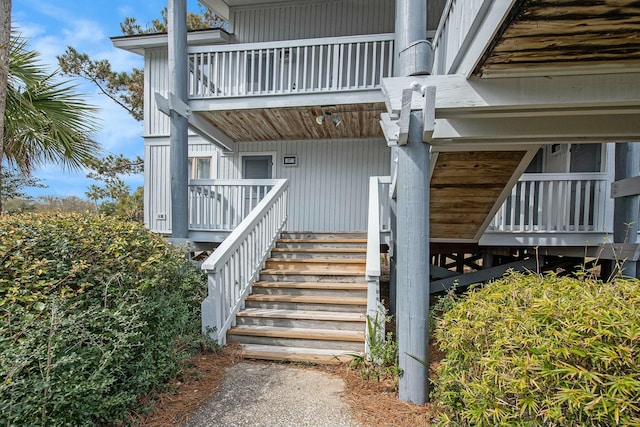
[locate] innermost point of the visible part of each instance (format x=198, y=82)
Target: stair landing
x=310, y=302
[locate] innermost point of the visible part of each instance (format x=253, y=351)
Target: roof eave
x=139, y=43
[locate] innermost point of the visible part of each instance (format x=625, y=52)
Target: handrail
x=290, y=66
x=291, y=43
x=372, y=269
x=235, y=265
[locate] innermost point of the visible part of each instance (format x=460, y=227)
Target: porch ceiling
x=299, y=123
x=559, y=35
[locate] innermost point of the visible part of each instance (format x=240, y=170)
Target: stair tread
x=299, y=333
x=297, y=354
x=336, y=272
x=302, y=314
x=346, y=286
x=317, y=260
x=321, y=250
x=318, y=299
x=322, y=240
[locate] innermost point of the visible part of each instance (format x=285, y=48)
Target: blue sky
x=51, y=26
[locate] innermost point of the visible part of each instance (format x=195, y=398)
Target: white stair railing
x=377, y=223
x=235, y=265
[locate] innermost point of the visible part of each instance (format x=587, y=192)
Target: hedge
x=542, y=351
x=94, y=312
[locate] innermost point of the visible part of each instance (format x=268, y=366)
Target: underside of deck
x=466, y=190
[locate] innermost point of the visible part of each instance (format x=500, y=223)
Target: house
x=301, y=121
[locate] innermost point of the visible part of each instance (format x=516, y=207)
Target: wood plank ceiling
x=299, y=123
x=559, y=33
x=464, y=188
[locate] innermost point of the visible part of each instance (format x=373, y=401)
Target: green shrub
x=94, y=313
x=533, y=351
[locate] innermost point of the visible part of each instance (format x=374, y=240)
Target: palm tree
x=45, y=120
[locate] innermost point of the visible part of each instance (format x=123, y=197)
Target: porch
x=322, y=88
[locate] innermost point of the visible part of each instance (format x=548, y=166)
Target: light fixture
x=328, y=113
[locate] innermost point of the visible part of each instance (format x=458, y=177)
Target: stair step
x=347, y=286
x=322, y=241
x=298, y=333
x=313, y=235
x=322, y=250
x=297, y=354
x=309, y=299
x=302, y=314
x=315, y=272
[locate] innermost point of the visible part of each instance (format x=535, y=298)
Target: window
x=201, y=167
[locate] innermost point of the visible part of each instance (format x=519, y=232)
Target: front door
x=255, y=167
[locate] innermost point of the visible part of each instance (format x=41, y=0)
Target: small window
x=200, y=168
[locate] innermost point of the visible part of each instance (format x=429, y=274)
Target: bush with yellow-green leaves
x=528, y=350
x=94, y=313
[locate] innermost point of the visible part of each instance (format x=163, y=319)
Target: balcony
x=353, y=63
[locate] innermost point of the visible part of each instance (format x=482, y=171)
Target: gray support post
x=413, y=263
x=393, y=229
x=626, y=209
x=179, y=150
x=412, y=219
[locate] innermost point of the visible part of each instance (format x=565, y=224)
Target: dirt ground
x=370, y=403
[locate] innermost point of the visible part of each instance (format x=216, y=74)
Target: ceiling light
x=320, y=120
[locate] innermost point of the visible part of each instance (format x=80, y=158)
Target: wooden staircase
x=310, y=302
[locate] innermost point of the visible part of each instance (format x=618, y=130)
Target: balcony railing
x=221, y=205
x=292, y=66
x=554, y=203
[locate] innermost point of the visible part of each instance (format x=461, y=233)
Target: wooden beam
x=625, y=187
x=405, y=112
x=540, y=129
x=480, y=276
x=429, y=113
x=195, y=122
x=441, y=272
x=523, y=96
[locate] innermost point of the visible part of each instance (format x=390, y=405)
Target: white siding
x=156, y=81
x=157, y=188
x=304, y=20
x=328, y=188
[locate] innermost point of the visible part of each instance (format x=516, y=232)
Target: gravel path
x=258, y=394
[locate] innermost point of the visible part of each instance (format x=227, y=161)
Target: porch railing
x=378, y=222
x=291, y=66
x=554, y=202
x=235, y=265
x=220, y=205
